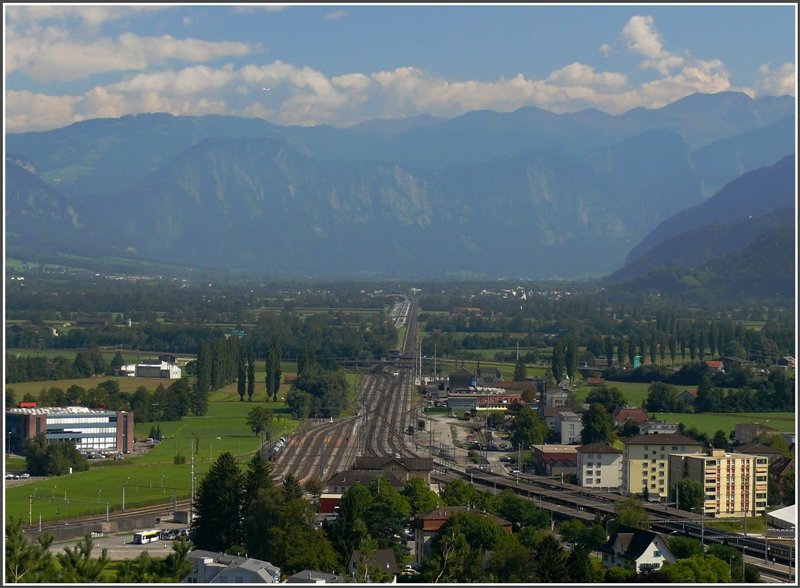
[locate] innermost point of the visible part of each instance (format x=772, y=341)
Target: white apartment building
x=599, y=466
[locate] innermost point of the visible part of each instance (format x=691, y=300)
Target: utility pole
x=191, y=498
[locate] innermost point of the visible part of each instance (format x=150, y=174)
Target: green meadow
x=711, y=422
x=155, y=477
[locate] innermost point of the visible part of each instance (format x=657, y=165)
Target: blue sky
x=342, y=64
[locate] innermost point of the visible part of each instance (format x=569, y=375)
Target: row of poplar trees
x=224, y=361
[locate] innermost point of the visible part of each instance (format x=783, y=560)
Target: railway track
x=154, y=509
x=384, y=402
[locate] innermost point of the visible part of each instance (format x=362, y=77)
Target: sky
x=341, y=64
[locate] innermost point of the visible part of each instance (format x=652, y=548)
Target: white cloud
x=780, y=82
x=28, y=111
x=91, y=16
x=641, y=37
x=306, y=96
x=578, y=74
x=336, y=15
x=56, y=57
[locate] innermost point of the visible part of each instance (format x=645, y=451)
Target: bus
x=146, y=536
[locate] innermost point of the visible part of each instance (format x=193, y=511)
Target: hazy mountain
x=35, y=211
x=762, y=272
x=260, y=204
x=526, y=193
x=752, y=195
x=737, y=245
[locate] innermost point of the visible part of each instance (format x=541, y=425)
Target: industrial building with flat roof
x=90, y=429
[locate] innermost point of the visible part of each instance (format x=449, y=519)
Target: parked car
x=24, y=476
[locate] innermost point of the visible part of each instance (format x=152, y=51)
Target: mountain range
x=738, y=243
x=522, y=194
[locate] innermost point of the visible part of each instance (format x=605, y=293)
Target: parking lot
x=121, y=545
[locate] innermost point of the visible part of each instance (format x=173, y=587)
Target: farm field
x=130, y=385
x=125, y=384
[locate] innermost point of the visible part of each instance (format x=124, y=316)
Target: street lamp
x=127, y=480
x=608, y=521
x=702, y=527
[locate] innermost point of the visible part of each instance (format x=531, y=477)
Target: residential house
x=554, y=398
x=315, y=577
x=782, y=467
x=551, y=414
x=622, y=414
x=787, y=362
x=569, y=426
x=688, y=396
x=382, y=564
x=735, y=483
x=715, y=365
x=646, y=460
x=636, y=550
x=427, y=524
x=731, y=361
x=211, y=567
x=599, y=466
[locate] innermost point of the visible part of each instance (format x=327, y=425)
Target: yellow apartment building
x=646, y=462
x=734, y=483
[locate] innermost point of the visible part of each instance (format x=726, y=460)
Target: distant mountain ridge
x=738, y=243
x=754, y=194
x=528, y=193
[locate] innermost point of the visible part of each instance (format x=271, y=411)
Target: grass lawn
x=711, y=422
x=154, y=476
x=633, y=392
